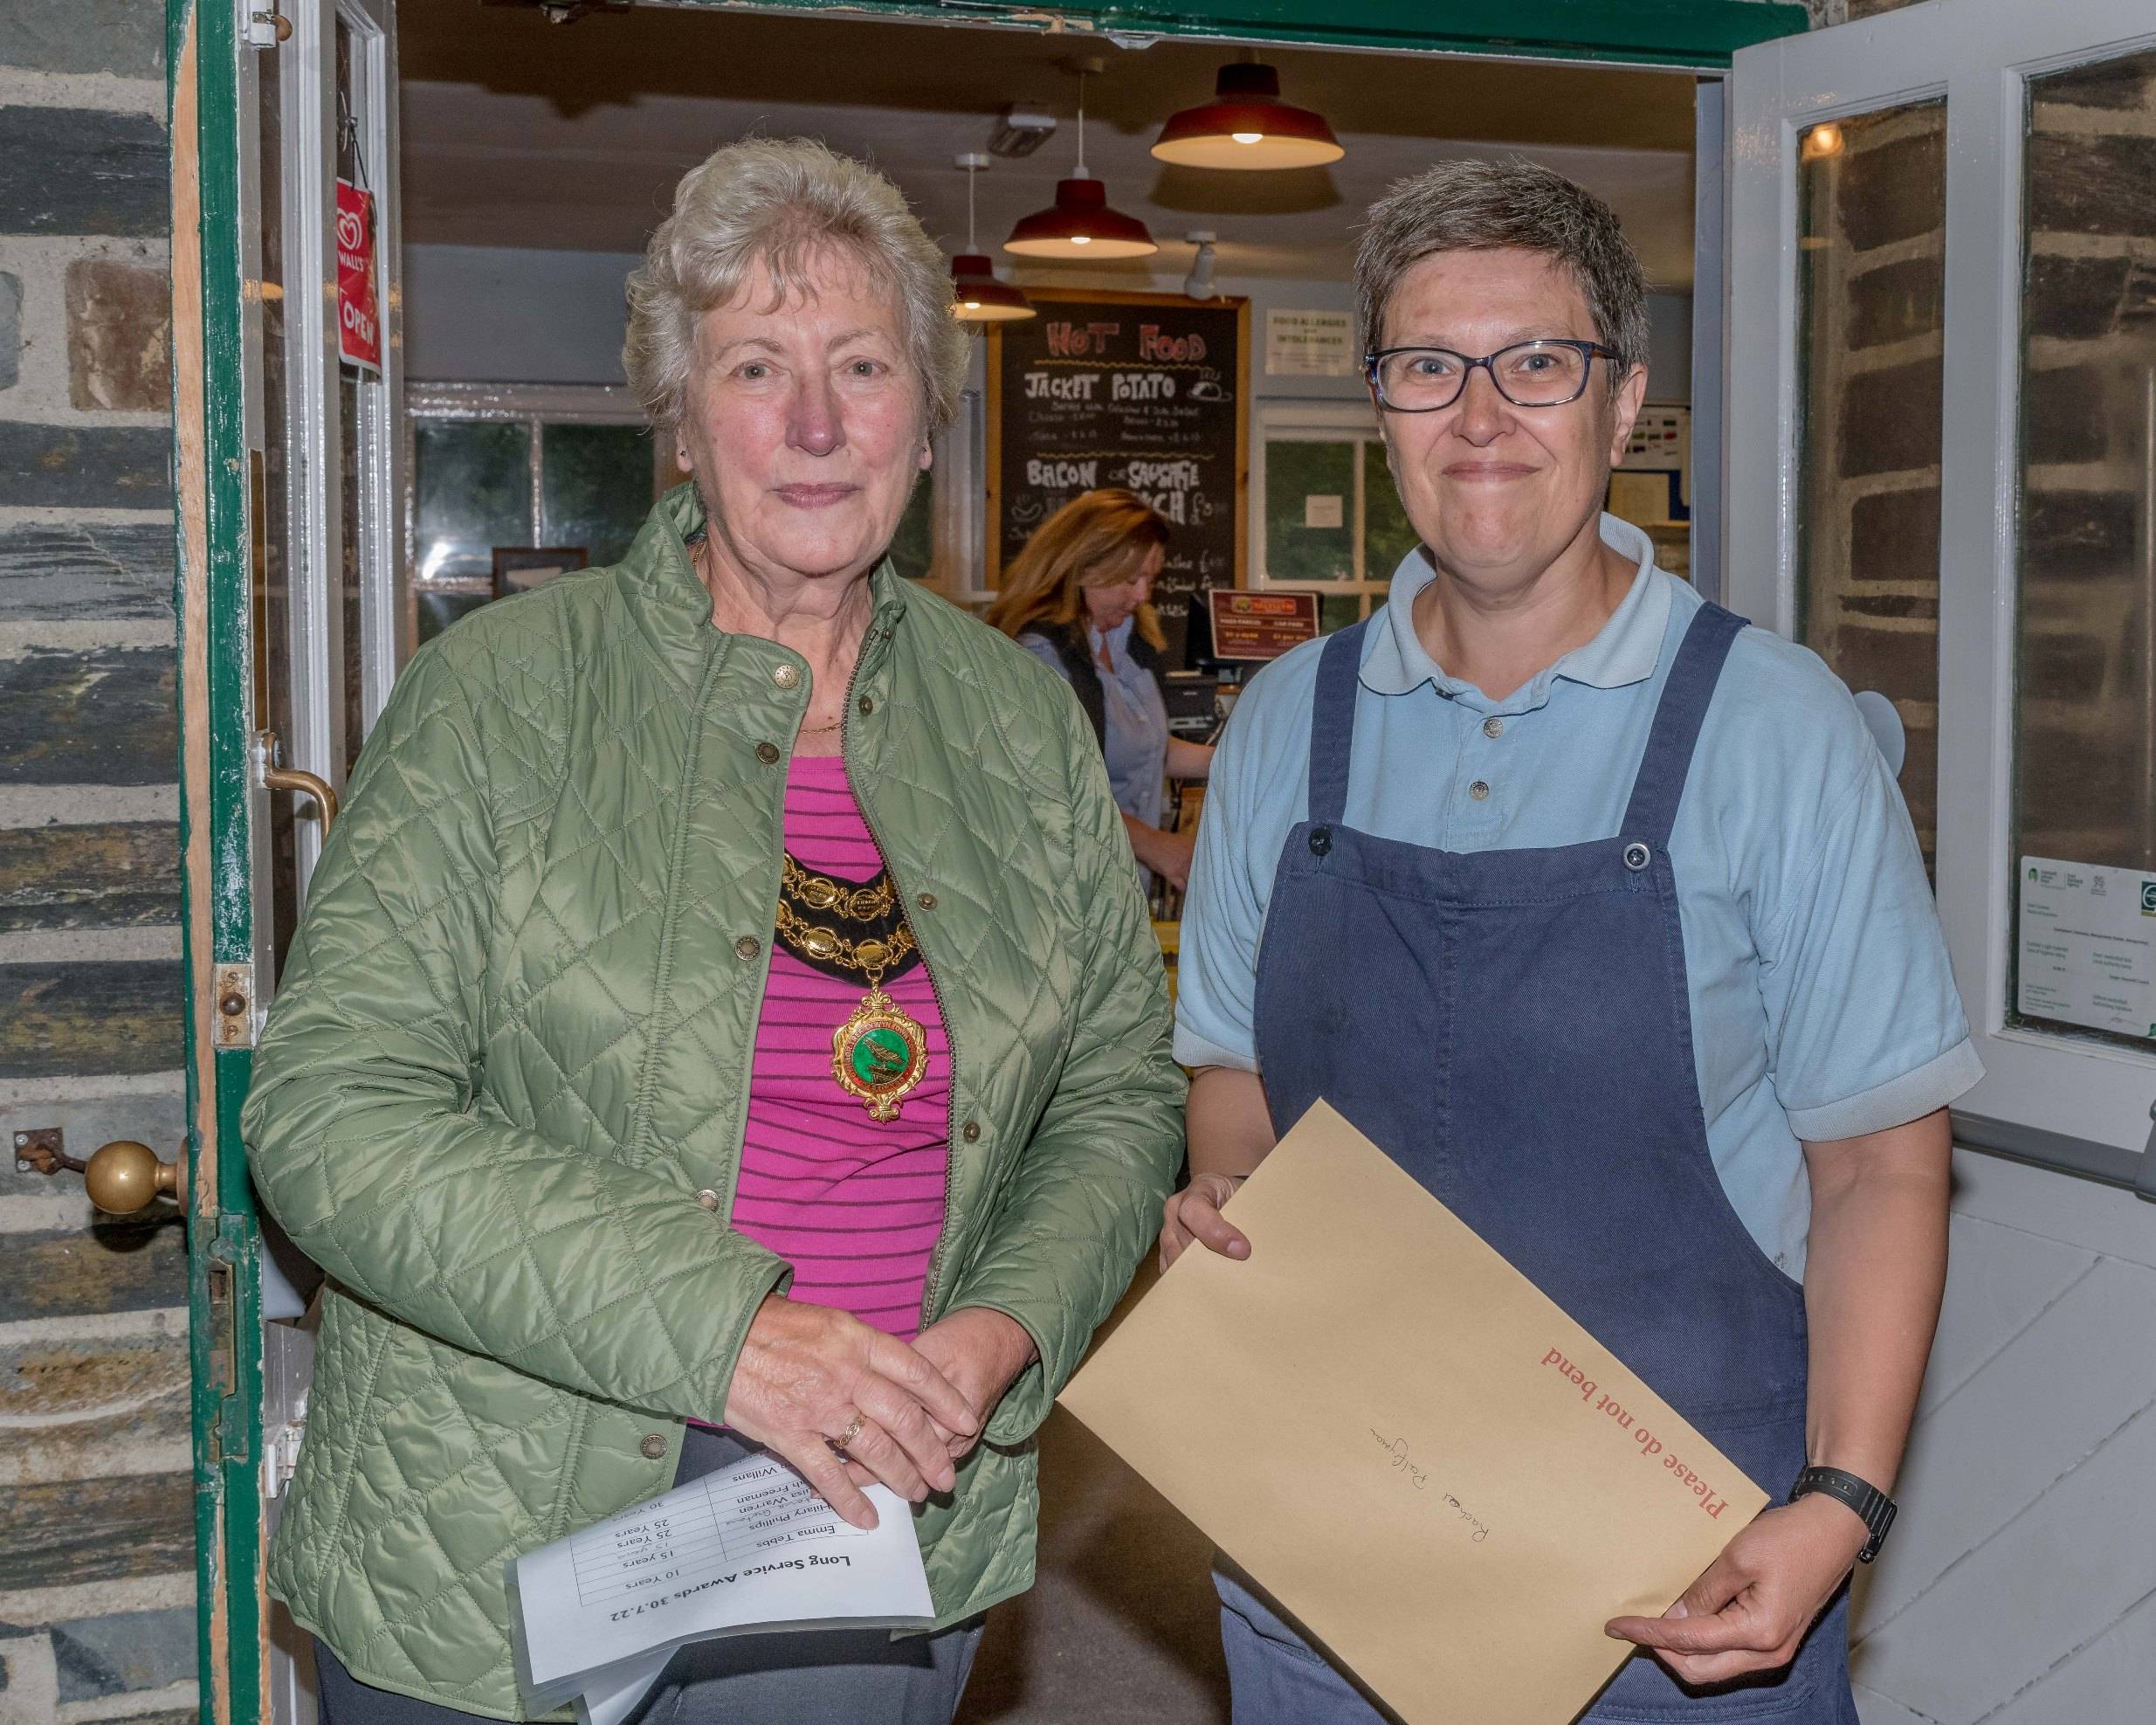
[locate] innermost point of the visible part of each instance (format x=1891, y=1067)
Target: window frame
x=2095, y=1096
x=1354, y=423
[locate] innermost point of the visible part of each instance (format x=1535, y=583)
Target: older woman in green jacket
x=725, y=1003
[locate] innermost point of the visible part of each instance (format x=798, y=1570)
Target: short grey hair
x=1476, y=205
x=781, y=202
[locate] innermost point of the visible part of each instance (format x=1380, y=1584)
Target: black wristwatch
x=1867, y=1501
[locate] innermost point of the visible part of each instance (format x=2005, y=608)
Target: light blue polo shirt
x=1822, y=1004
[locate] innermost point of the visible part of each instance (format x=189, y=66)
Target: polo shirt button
x=708, y=1199
x=653, y=1446
x=972, y=1133
x=1478, y=791
x=767, y=753
x=1494, y=727
x=785, y=676
x=747, y=947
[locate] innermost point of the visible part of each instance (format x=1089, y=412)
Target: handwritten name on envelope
x=1445, y=1479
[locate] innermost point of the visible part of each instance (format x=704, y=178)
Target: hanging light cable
x=1080, y=223
x=976, y=295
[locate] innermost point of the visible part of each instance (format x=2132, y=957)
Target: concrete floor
x=1121, y=1626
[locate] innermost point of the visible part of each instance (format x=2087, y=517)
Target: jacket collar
x=672, y=607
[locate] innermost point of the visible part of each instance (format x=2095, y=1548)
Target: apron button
x=1637, y=856
x=1320, y=840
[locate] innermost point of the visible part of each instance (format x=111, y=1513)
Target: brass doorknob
x=124, y=1177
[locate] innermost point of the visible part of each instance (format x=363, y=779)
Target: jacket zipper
x=950, y=1033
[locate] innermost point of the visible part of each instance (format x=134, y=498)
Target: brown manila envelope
x=1443, y=1477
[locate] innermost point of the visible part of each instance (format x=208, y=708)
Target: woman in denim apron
x=1598, y=911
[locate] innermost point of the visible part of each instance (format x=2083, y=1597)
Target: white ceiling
x=520, y=132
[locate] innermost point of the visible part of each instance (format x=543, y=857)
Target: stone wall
x=1871, y=270
x=2086, y=672
x=97, y=1618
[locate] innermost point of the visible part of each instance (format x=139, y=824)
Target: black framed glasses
x=1546, y=373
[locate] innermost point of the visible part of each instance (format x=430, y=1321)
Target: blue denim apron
x=1513, y=1029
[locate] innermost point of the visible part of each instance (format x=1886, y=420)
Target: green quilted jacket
x=512, y=1047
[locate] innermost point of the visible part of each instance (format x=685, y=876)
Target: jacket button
x=785, y=676
x=927, y=901
x=972, y=1133
x=708, y=1199
x=653, y=1446
x=867, y=706
x=747, y=947
x=1494, y=727
x=1479, y=790
x=767, y=753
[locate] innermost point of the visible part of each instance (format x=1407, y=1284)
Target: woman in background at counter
x=1077, y=598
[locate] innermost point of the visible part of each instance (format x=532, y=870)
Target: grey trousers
x=801, y=1677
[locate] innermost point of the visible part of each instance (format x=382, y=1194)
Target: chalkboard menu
x=1146, y=390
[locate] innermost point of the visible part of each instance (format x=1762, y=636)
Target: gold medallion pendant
x=879, y=1054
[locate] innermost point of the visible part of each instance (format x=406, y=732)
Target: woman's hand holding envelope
x=1749, y=1612
x=1193, y=1214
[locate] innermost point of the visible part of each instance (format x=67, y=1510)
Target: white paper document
x=2087, y=946
x=748, y=1549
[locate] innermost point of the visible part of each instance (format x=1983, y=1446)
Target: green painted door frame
x=215, y=540
x=1692, y=34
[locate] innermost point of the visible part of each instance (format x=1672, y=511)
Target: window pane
x=472, y=490
x=1386, y=538
x=436, y=608
x=1310, y=511
x=595, y=487
x=2084, y=816
x=1337, y=611
x=1872, y=201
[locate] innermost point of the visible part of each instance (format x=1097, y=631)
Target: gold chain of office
x=870, y=903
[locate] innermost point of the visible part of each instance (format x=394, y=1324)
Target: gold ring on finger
x=852, y=1431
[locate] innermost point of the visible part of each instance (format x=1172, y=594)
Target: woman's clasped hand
x=813, y=1382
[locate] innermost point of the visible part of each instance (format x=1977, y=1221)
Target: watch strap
x=1873, y=1505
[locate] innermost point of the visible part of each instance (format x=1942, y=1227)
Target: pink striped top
x=854, y=1204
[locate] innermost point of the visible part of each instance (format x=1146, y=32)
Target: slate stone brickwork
x=97, y=1597
x=2087, y=641
x=1873, y=266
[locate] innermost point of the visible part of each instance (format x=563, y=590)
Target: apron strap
x=1660, y=786
x=1332, y=723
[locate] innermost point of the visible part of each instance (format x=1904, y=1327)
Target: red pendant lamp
x=1080, y=225
x=976, y=295
x=1247, y=126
